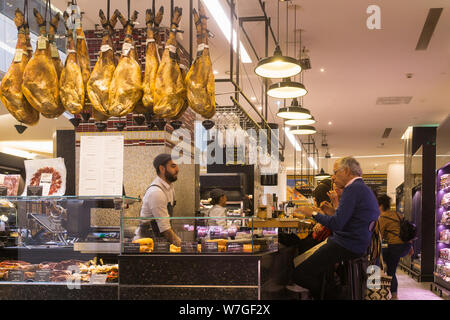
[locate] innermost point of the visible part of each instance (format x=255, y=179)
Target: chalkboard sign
x=131, y=247
x=42, y=276
x=210, y=247
x=3, y=191
x=161, y=246
x=16, y=275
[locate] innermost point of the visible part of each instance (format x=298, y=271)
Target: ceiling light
x=253, y=98
x=224, y=24
x=322, y=175
x=300, y=122
x=294, y=112
x=216, y=72
x=322, y=70
x=330, y=123
x=278, y=66
x=302, y=130
x=287, y=89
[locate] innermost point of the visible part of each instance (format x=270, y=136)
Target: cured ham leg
x=83, y=54
x=11, y=86
x=71, y=86
x=200, y=78
x=170, y=89
x=40, y=80
x=100, y=80
x=126, y=85
x=151, y=58
x=53, y=49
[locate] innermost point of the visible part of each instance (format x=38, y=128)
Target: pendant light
x=302, y=130
x=294, y=111
x=322, y=175
x=278, y=66
x=288, y=89
x=300, y=122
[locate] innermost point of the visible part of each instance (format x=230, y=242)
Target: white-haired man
x=358, y=208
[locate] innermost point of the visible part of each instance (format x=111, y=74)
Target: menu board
x=101, y=166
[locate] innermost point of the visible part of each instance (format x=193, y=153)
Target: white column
x=395, y=177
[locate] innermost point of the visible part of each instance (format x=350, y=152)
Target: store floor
x=410, y=289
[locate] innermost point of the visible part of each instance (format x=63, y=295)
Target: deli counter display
x=198, y=235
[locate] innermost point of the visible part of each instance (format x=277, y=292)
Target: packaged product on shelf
x=445, y=202
x=445, y=181
x=11, y=182
x=445, y=218
x=444, y=254
x=445, y=235
x=48, y=173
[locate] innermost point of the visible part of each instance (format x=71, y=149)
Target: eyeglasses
x=336, y=171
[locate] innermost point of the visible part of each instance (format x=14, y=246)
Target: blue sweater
x=358, y=207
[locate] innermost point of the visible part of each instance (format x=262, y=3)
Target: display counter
x=219, y=257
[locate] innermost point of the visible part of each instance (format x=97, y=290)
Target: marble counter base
x=38, y=291
x=187, y=293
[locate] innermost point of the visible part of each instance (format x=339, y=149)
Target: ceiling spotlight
x=287, y=89
x=294, y=112
x=216, y=72
x=300, y=122
x=330, y=123
x=302, y=130
x=278, y=66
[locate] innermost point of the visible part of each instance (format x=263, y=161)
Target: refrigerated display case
x=442, y=259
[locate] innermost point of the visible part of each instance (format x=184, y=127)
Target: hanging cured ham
x=11, y=86
x=100, y=80
x=71, y=86
x=82, y=53
x=151, y=58
x=200, y=78
x=126, y=86
x=40, y=80
x=170, y=89
x=53, y=49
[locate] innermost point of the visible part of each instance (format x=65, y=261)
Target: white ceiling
x=360, y=66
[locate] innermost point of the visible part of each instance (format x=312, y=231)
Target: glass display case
x=199, y=235
x=54, y=239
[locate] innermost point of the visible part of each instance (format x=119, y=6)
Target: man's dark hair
x=384, y=201
x=161, y=160
x=320, y=192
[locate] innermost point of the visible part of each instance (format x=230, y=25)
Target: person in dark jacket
x=357, y=211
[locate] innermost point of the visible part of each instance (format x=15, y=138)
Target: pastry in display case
x=198, y=235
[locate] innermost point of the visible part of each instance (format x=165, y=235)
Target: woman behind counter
x=219, y=202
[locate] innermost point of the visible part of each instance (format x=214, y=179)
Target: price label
x=16, y=275
x=210, y=247
x=162, y=246
x=46, y=182
x=235, y=247
x=42, y=43
x=18, y=55
x=105, y=48
x=42, y=276
x=126, y=48
x=54, y=51
x=34, y=191
x=189, y=247
x=98, y=278
x=131, y=247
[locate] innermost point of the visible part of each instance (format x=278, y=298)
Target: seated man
x=351, y=237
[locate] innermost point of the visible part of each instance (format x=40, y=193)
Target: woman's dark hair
x=215, y=195
x=320, y=192
x=384, y=201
